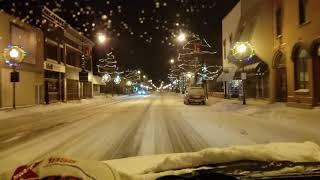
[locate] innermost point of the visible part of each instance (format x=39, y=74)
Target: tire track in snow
x=130, y=143
x=176, y=134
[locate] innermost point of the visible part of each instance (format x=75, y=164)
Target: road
x=145, y=125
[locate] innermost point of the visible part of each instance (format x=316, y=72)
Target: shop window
x=301, y=70
x=51, y=51
x=279, y=21
x=303, y=12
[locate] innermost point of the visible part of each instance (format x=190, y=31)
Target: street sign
x=243, y=76
x=83, y=76
x=14, y=76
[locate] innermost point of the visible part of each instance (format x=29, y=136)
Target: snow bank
x=149, y=167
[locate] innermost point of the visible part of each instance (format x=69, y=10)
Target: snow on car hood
x=149, y=167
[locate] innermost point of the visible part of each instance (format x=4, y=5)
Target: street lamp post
x=14, y=55
x=243, y=51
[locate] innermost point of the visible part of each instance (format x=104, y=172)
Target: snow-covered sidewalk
x=42, y=108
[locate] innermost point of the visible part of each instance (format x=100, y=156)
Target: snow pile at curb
x=295, y=152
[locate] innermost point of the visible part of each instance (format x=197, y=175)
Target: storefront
x=53, y=81
x=256, y=79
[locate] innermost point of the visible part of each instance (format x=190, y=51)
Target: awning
x=258, y=67
x=226, y=76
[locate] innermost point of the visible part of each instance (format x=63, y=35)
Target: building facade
x=249, y=21
x=296, y=50
x=78, y=48
x=29, y=89
x=56, y=53
x=67, y=53
x=285, y=36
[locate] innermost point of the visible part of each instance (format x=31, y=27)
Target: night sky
x=141, y=31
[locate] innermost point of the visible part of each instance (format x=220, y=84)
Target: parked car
x=195, y=95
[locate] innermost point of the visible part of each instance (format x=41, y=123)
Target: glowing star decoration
x=117, y=80
x=14, y=55
x=242, y=51
x=106, y=78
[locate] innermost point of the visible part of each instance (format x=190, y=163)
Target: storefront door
x=279, y=65
x=281, y=84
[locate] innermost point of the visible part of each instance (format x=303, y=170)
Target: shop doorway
x=279, y=65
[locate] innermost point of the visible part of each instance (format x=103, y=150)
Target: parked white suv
x=195, y=95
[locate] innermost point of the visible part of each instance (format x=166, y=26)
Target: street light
x=14, y=55
x=172, y=61
x=106, y=78
x=117, y=80
x=129, y=83
x=144, y=76
x=189, y=75
x=182, y=37
x=241, y=48
x=139, y=72
x=102, y=38
x=242, y=51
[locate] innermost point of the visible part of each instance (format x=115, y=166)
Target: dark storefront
x=72, y=89
x=87, y=90
x=257, y=79
x=53, y=80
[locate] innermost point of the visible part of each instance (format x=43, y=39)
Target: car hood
x=153, y=166
x=150, y=167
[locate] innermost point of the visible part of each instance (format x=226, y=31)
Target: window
x=73, y=58
x=224, y=49
x=279, y=21
x=61, y=55
x=230, y=40
x=301, y=70
x=303, y=11
x=88, y=64
x=51, y=51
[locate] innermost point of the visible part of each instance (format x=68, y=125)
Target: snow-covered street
x=103, y=129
